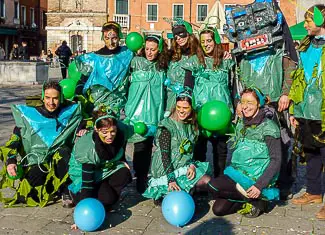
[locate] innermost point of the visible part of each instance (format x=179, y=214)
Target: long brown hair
x=192, y=119
x=218, y=50
x=194, y=48
x=163, y=56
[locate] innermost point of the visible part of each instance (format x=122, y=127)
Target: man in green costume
x=43, y=138
x=308, y=110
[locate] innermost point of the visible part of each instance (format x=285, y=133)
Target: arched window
x=76, y=43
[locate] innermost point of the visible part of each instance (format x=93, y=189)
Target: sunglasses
x=181, y=35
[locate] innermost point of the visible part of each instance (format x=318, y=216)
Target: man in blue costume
x=43, y=138
x=104, y=79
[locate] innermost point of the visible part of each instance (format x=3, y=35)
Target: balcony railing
x=123, y=20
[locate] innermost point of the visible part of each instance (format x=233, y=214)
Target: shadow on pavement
x=214, y=226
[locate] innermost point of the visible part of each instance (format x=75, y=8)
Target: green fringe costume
x=176, y=75
x=39, y=145
x=250, y=157
x=146, y=95
x=84, y=152
x=212, y=84
x=183, y=137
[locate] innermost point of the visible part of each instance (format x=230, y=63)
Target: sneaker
x=307, y=198
x=67, y=201
x=252, y=211
x=321, y=214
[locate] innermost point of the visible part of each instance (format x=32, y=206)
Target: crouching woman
x=249, y=180
x=97, y=166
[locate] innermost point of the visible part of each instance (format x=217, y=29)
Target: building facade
x=76, y=21
x=22, y=20
x=79, y=21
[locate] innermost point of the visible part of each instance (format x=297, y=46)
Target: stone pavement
x=135, y=215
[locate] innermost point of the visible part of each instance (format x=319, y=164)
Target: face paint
x=111, y=39
x=249, y=105
x=107, y=135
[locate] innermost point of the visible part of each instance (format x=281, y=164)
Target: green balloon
x=140, y=128
x=134, y=41
x=19, y=173
x=73, y=72
x=214, y=116
x=68, y=88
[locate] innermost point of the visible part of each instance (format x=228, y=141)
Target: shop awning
x=4, y=31
x=298, y=31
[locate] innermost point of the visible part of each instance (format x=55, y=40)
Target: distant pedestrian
x=14, y=53
x=23, y=51
x=49, y=55
x=64, y=54
x=2, y=53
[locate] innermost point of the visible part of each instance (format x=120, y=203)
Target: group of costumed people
x=75, y=149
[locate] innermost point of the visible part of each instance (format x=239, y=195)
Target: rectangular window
x=202, y=12
x=16, y=9
x=23, y=15
x=178, y=11
x=122, y=7
x=152, y=13
x=2, y=8
x=32, y=16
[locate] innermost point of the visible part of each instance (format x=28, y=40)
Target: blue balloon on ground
x=178, y=208
x=89, y=214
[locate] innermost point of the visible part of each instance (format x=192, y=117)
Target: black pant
x=227, y=198
x=64, y=67
x=219, y=145
x=142, y=157
x=109, y=190
x=315, y=164
x=36, y=177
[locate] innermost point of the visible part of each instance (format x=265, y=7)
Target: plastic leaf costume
x=39, y=144
x=107, y=82
x=183, y=137
x=146, y=96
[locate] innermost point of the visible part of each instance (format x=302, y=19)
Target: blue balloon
x=178, y=208
x=89, y=214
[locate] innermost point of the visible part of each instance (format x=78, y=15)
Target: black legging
x=142, y=157
x=109, y=190
x=219, y=145
x=222, y=189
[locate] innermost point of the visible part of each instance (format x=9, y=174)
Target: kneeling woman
x=97, y=168
x=248, y=182
x=172, y=165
